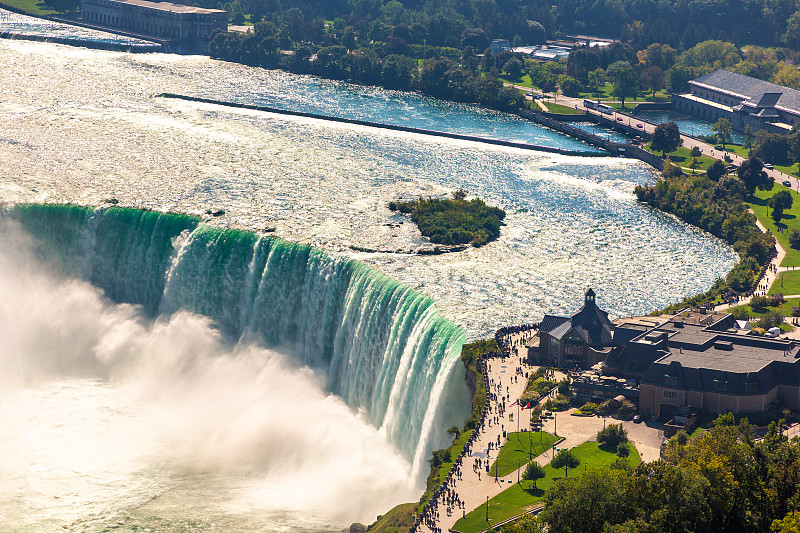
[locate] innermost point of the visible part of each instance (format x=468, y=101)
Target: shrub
x=612, y=436
x=623, y=450
x=589, y=407
x=770, y=320
x=627, y=411
x=759, y=303
x=681, y=437
x=740, y=313
x=794, y=239
x=563, y=387
x=795, y=311
x=776, y=299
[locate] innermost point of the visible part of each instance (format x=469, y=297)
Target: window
x=670, y=394
x=671, y=380
x=720, y=386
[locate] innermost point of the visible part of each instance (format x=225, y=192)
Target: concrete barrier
x=434, y=133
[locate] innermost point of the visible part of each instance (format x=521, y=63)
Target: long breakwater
x=393, y=127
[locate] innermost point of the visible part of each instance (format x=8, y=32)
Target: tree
x=722, y=130
x=597, y=78
x=748, y=139
x=612, y=435
x=580, y=62
x=653, y=78
x=780, y=202
x=694, y=164
x=695, y=152
x=453, y=432
x=513, y=68
x=753, y=176
x=666, y=138
x=772, y=147
x=794, y=239
x=565, y=459
x=624, y=78
x=715, y=170
x=533, y=472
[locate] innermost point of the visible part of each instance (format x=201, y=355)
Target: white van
x=773, y=332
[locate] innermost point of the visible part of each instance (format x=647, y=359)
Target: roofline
x=730, y=93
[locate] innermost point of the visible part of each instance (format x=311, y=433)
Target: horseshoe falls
x=178, y=372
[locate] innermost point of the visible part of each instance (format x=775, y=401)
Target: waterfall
x=382, y=345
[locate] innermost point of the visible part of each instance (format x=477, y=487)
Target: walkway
x=475, y=486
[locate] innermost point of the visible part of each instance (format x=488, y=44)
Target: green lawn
x=398, y=520
x=781, y=230
x=34, y=7
x=787, y=283
x=519, y=447
x=605, y=93
x=793, y=169
x=785, y=309
x=524, y=81
x=564, y=110
x=683, y=158
x=520, y=497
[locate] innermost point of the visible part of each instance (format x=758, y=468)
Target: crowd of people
x=446, y=498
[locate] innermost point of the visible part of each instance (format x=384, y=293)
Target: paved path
x=474, y=486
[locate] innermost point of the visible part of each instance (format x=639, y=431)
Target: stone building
x=582, y=339
x=165, y=20
x=742, y=100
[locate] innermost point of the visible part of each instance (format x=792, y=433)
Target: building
x=165, y=20
x=582, y=339
x=500, y=45
x=742, y=100
x=695, y=360
x=542, y=53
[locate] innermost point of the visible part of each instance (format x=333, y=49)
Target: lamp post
x=518, y=469
x=487, y=509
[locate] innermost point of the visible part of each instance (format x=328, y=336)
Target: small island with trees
x=455, y=221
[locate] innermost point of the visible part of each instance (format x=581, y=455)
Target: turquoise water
x=687, y=124
x=591, y=127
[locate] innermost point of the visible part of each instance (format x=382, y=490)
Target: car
x=637, y=419
x=768, y=166
x=718, y=147
x=619, y=119
x=529, y=95
x=787, y=183
x=639, y=125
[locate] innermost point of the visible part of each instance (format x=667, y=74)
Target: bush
x=776, y=299
x=563, y=387
x=795, y=311
x=794, y=239
x=627, y=411
x=589, y=407
x=612, y=436
x=740, y=313
x=623, y=450
x=681, y=437
x=455, y=221
x=770, y=320
x=759, y=303
x=560, y=403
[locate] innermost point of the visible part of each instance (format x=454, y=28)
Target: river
x=85, y=126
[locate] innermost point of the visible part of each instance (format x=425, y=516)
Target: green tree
x=596, y=79
x=612, y=435
x=533, y=472
x=722, y=130
x=748, y=139
x=715, y=170
x=653, y=78
x=565, y=459
x=752, y=174
x=666, y=138
x=453, y=432
x=695, y=152
x=624, y=78
x=694, y=164
x=794, y=239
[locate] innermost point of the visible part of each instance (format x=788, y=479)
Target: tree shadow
x=761, y=202
x=535, y=492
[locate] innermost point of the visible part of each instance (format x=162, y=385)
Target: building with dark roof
x=165, y=20
x=582, y=339
x=696, y=360
x=742, y=100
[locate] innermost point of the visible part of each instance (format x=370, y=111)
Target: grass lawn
x=516, y=451
x=785, y=309
x=455, y=449
x=34, y=7
x=683, y=158
x=605, y=93
x=781, y=230
x=524, y=81
x=793, y=169
x=398, y=520
x=564, y=110
x=787, y=283
x=519, y=497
